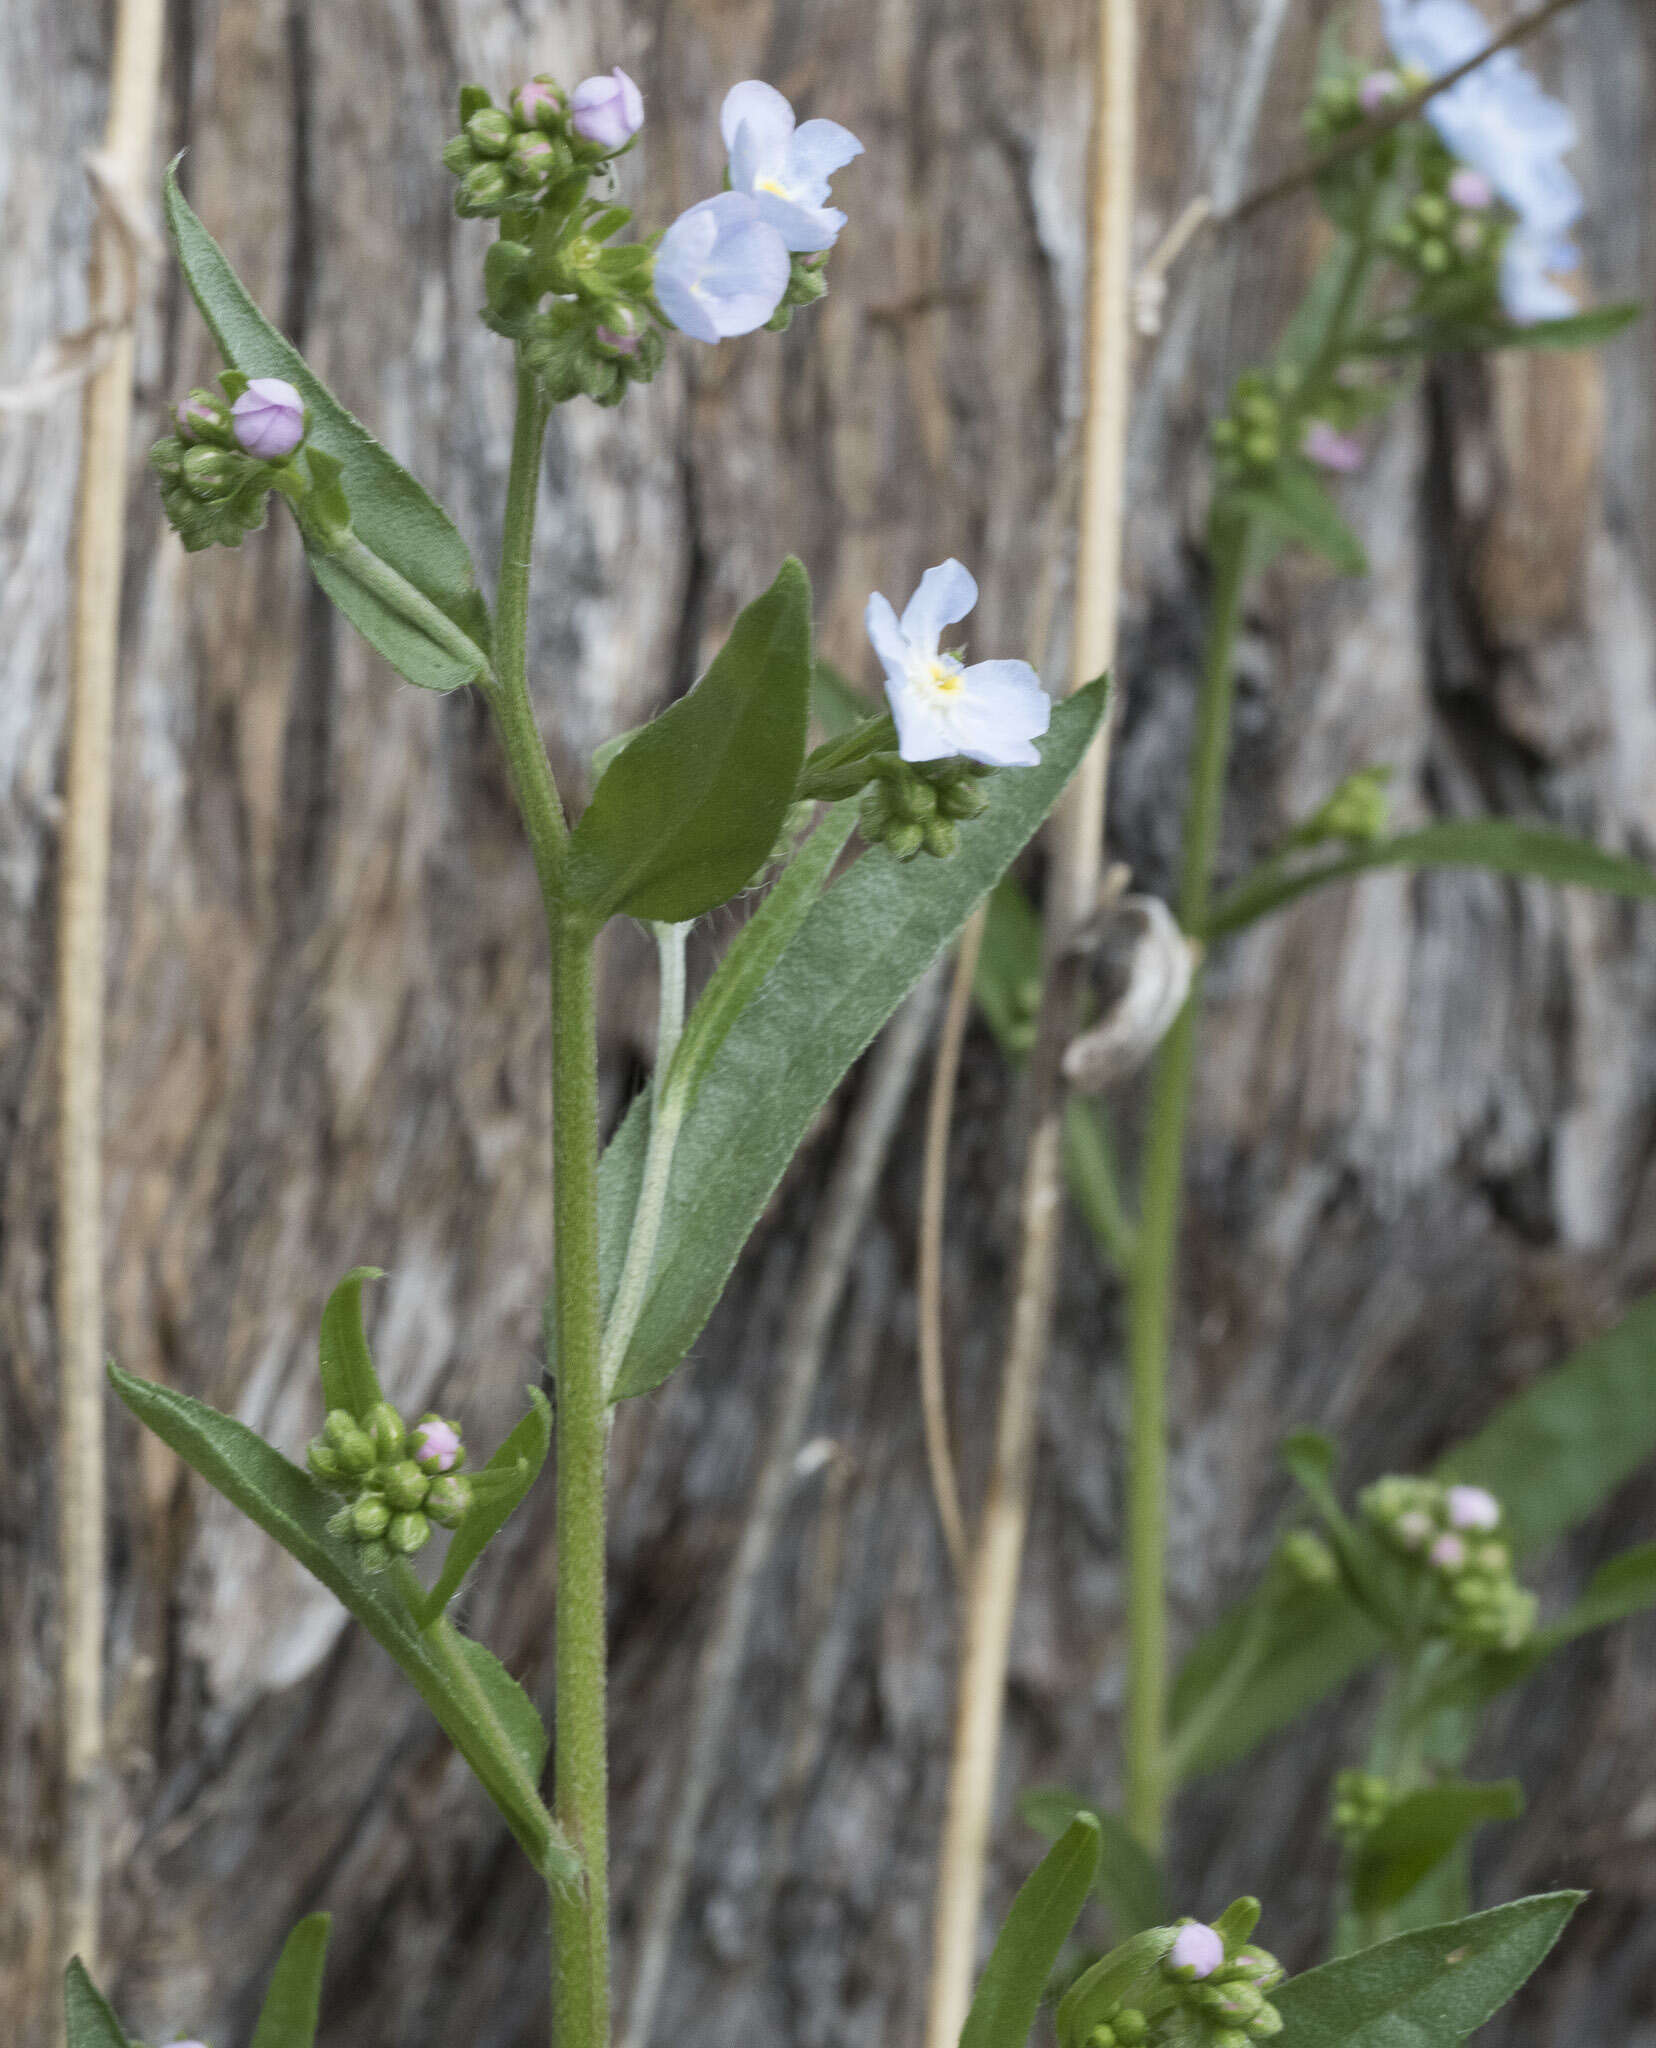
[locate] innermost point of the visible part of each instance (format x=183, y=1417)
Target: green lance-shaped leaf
x=90, y=2022
x=860, y=949
x=394, y=519
x=1498, y=845
x=1417, y=1834
x=293, y=2003
x=1009, y=1992
x=483, y=1721
x=1428, y=1989
x=497, y=1490
x=1294, y=506
x=1551, y=1454
x=1444, y=337
x=348, y=1377
x=1129, y=1881
x=690, y=810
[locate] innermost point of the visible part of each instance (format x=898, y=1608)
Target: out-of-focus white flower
x=1499, y=122
x=721, y=268
x=993, y=711
x=784, y=168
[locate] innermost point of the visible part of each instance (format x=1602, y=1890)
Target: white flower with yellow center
x=786, y=169
x=993, y=711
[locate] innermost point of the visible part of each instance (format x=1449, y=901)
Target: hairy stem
x=580, y=1914
x=1150, y=1294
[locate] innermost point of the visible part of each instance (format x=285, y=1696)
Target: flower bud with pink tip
x=1448, y=1553
x=1197, y=1951
x=607, y=111
x=435, y=1445
x=1472, y=1507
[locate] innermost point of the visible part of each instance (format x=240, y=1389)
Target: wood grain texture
x=1426, y=1129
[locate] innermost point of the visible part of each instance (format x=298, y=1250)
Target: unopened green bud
x=376, y=1556
x=213, y=474
x=1103, y=2036
x=1130, y=2026
x=905, y=840
x=370, y=1517
x=458, y=156
x=1261, y=449
x=323, y=1461
x=916, y=800
x=408, y=1533
x=406, y=1486
x=447, y=1501
x=385, y=1426
x=485, y=189
x=338, y=1424
x=1265, y=2024
x=942, y=837
x=1431, y=210
x=1434, y=256
x=1228, y=2037
x=962, y=800
x=1307, y=1558
x=356, y=1451
x=490, y=132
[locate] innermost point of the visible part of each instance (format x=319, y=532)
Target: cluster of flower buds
x=1223, y=1988
x=506, y=157
x=1452, y=1535
x=1344, y=99
x=397, y=1481
x=1361, y=1802
x=1124, y=2027
x=913, y=807
x=1250, y=438
x=1451, y=230
x=227, y=454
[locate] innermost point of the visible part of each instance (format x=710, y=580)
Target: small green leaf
x=293, y=2003
x=1110, y=1982
x=348, y=1377
x=393, y=515
x=90, y=2022
x=510, y=1704
x=1309, y=1456
x=860, y=949
x=1428, y=1989
x=517, y=1465
x=1009, y=1991
x=1295, y=505
x=1445, y=337
x=288, y=1505
x=1419, y=1832
x=690, y=810
x=1129, y=1881
x=1499, y=845
x=1007, y=984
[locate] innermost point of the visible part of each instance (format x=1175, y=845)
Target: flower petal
x=885, y=635
x=820, y=148
x=946, y=594
x=765, y=111
x=802, y=228
x=922, y=734
x=1001, y=710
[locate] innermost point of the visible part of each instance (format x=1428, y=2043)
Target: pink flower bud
x=191, y=413
x=1329, y=449
x=533, y=101
x=1472, y=1507
x=435, y=1444
x=1378, y=90
x=1471, y=189
x=1448, y=1553
x=268, y=420
x=618, y=343
x=608, y=111
x=1196, y=1948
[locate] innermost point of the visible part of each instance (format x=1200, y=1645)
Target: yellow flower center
x=943, y=675
x=772, y=185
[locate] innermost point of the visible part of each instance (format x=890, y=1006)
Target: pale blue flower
x=1500, y=122
x=721, y=268
x=786, y=169
x=606, y=111
x=991, y=712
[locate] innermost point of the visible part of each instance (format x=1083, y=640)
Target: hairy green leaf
x=348, y=1377
x=288, y=1505
x=1009, y=1992
x=91, y=2024
x=860, y=949
x=1109, y=1982
x=1129, y=1882
x=1428, y=1989
x=689, y=811
x=1419, y=1832
x=1499, y=845
x=515, y=1466
x=293, y=2003
x=392, y=514
x=1437, y=337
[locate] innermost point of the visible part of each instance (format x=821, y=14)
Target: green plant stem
x=1150, y=1290
x=580, y=1914
x=580, y=1910
x=508, y=688
x=365, y=567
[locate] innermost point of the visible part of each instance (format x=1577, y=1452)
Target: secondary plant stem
x=1150, y=1294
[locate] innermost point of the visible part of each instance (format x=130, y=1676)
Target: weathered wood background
x=1423, y=1159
